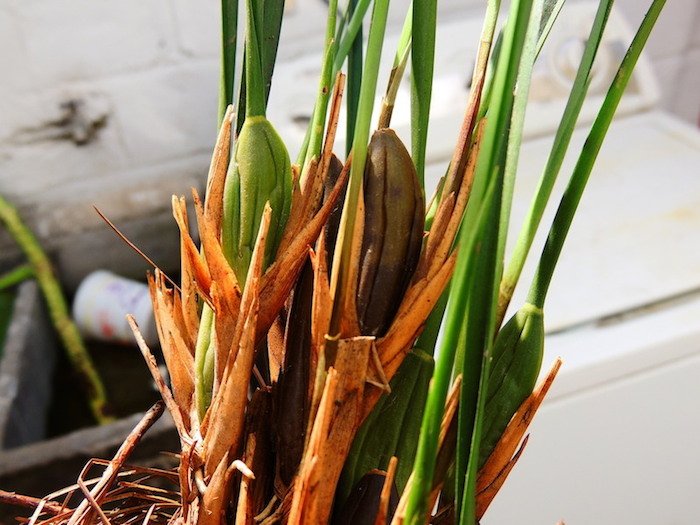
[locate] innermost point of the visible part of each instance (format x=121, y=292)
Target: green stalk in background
x=348, y=31
x=58, y=310
x=397, y=71
x=268, y=15
x=16, y=276
x=7, y=297
x=478, y=328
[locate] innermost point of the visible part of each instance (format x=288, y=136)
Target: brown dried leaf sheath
x=217, y=172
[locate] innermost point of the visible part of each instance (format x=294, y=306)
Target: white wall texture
x=114, y=104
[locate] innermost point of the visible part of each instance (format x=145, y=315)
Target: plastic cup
x=102, y=302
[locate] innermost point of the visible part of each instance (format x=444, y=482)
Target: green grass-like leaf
x=229, y=43
x=422, y=65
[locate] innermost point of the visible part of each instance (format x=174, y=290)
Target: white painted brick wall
x=142, y=78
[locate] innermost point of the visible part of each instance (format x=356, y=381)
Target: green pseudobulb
x=517, y=359
x=259, y=172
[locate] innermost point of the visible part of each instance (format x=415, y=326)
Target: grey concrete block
x=26, y=369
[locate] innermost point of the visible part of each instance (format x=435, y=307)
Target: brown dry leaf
x=312, y=179
x=308, y=187
x=462, y=151
x=298, y=210
x=235, y=326
x=322, y=302
x=346, y=300
x=434, y=237
x=188, y=464
x=275, y=347
x=217, y=172
x=337, y=420
x=192, y=268
x=219, y=268
x=177, y=354
x=499, y=464
x=446, y=241
x=213, y=502
x=375, y=374
x=312, y=192
x=229, y=325
x=226, y=415
x=333, y=118
x=384, y=498
x=223, y=329
x=486, y=496
x=253, y=286
x=234, y=340
x=414, y=310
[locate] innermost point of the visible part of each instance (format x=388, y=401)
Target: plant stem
x=255, y=94
x=354, y=79
x=229, y=41
x=16, y=276
x=352, y=30
x=392, y=88
x=481, y=314
x=313, y=148
x=58, y=309
x=424, y=465
x=422, y=64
